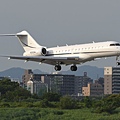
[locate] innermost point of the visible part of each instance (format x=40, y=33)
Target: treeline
x=14, y=96
x=11, y=91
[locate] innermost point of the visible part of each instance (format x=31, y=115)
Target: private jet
x=64, y=55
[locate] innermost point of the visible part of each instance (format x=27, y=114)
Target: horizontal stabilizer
x=23, y=33
x=8, y=35
x=2, y=35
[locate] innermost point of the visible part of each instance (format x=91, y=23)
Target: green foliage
x=53, y=114
x=87, y=102
x=58, y=112
x=31, y=99
x=108, y=104
x=7, y=85
x=67, y=102
x=43, y=104
x=11, y=91
x=4, y=105
x=19, y=114
x=51, y=96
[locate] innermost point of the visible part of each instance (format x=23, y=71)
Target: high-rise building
x=81, y=81
x=58, y=83
x=93, y=89
x=100, y=81
x=30, y=75
x=62, y=84
x=27, y=75
x=111, y=80
x=30, y=86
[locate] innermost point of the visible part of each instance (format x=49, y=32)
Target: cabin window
x=112, y=44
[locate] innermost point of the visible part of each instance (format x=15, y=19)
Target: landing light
x=26, y=61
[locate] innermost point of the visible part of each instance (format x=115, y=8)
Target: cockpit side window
x=116, y=44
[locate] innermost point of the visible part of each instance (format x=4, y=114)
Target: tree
x=7, y=85
x=108, y=104
x=12, y=91
x=51, y=96
x=67, y=102
x=87, y=101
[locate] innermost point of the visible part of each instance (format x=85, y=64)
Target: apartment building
x=111, y=80
x=93, y=89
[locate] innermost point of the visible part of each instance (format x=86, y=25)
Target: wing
x=51, y=60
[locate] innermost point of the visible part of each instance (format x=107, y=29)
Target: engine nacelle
x=43, y=51
x=36, y=52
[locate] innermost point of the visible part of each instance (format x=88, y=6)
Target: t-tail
x=28, y=43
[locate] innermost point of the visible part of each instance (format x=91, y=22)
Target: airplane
x=64, y=55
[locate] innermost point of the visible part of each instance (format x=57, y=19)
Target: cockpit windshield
x=116, y=44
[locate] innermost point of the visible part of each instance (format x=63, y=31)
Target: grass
x=54, y=114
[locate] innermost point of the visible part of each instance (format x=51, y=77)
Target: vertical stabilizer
x=27, y=41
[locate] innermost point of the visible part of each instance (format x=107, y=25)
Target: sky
x=57, y=22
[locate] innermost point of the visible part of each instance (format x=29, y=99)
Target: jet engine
x=36, y=52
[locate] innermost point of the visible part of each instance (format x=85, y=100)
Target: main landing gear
x=57, y=67
x=117, y=60
x=72, y=68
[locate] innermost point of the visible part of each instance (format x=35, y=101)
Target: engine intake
x=44, y=51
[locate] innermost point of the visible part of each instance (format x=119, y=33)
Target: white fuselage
x=83, y=51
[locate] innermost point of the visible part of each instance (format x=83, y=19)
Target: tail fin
x=27, y=41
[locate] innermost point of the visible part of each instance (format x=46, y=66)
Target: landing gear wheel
x=118, y=63
x=73, y=68
x=57, y=67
